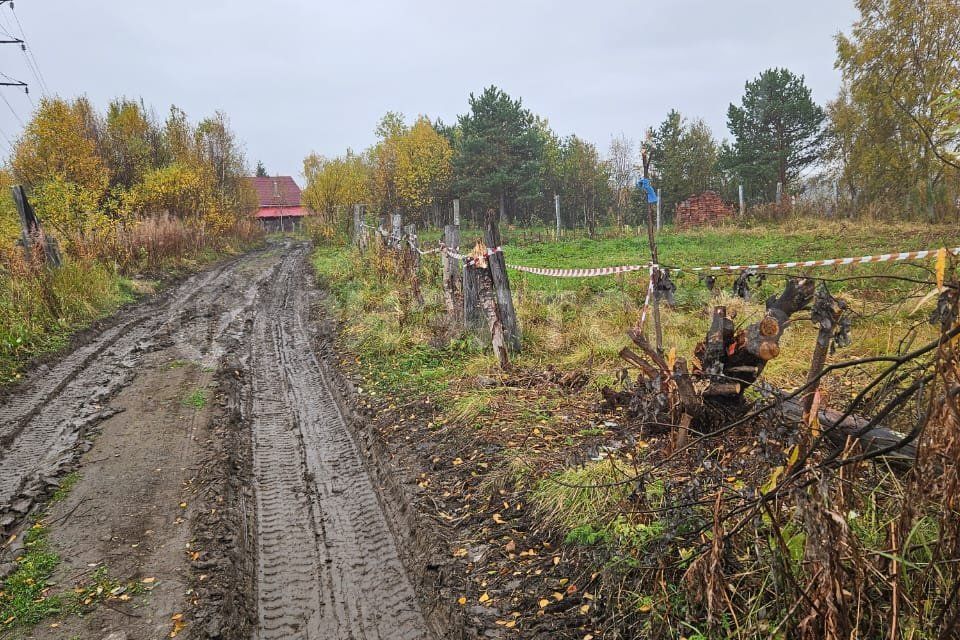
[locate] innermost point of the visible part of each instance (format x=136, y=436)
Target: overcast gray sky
x=296, y=76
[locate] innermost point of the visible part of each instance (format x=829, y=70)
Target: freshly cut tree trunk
x=489, y=305
x=729, y=363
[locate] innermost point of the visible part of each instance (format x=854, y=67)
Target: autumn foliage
x=92, y=175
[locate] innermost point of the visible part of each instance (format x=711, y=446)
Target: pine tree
x=499, y=157
x=777, y=130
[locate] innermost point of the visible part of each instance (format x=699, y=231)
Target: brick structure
x=702, y=209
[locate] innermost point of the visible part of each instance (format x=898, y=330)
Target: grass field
x=402, y=352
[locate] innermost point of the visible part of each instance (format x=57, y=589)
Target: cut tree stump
x=727, y=363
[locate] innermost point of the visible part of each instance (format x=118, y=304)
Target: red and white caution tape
x=884, y=257
x=579, y=273
x=606, y=271
x=594, y=272
x=646, y=301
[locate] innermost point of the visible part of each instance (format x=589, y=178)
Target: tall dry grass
x=40, y=306
x=163, y=241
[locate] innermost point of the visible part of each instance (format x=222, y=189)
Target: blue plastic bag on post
x=644, y=183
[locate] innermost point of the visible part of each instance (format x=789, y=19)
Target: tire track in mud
x=43, y=420
x=328, y=565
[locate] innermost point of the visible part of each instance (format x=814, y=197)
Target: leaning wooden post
x=501, y=282
x=452, y=293
x=479, y=263
x=652, y=239
x=31, y=231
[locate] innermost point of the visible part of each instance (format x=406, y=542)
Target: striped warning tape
x=593, y=272
x=884, y=257
x=646, y=301
x=579, y=273
x=606, y=271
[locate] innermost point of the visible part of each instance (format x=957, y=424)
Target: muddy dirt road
x=215, y=463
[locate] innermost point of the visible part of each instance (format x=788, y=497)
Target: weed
x=23, y=595
x=593, y=431
x=66, y=484
x=197, y=399
x=587, y=535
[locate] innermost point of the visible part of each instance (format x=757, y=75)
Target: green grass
x=196, y=399
x=579, y=324
x=23, y=599
x=40, y=310
x=66, y=484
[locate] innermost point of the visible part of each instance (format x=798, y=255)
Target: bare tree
x=622, y=173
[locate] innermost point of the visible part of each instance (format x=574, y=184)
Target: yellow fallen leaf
x=584, y=608
x=498, y=518
x=459, y=553
x=148, y=580
x=557, y=596
x=484, y=598
x=543, y=602
x=461, y=600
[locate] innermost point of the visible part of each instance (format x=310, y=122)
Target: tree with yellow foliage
x=382, y=157
x=59, y=161
x=334, y=185
x=423, y=167
x=891, y=134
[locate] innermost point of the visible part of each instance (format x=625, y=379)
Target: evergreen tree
x=261, y=170
x=683, y=157
x=777, y=130
x=498, y=159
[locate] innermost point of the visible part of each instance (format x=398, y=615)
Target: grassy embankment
x=579, y=324
x=41, y=308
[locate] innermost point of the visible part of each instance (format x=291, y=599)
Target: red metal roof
x=276, y=191
x=286, y=212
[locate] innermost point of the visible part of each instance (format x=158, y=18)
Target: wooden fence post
x=357, y=226
x=382, y=230
x=411, y=259
x=396, y=230
x=472, y=314
x=31, y=231
x=501, y=283
x=452, y=292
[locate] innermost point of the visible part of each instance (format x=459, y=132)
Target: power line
x=7, y=138
x=28, y=53
x=12, y=110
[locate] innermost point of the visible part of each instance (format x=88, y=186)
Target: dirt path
x=216, y=467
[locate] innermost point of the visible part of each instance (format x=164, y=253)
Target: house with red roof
x=280, y=204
